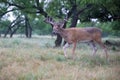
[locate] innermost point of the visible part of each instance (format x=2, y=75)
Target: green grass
x=36, y=59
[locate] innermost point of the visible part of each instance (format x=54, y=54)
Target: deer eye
x=59, y=25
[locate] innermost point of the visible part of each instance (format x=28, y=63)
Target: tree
x=21, y=9
x=83, y=10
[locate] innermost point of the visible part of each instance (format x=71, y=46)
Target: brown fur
x=80, y=34
x=74, y=35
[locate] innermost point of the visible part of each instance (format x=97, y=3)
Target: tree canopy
x=28, y=15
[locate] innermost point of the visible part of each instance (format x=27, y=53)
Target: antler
x=59, y=23
x=49, y=20
x=62, y=22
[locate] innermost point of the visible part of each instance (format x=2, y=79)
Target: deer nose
x=54, y=33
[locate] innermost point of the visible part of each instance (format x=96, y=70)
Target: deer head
x=57, y=26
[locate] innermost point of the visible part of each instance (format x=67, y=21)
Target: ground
x=36, y=59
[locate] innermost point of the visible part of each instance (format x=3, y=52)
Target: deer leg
x=73, y=50
x=104, y=48
x=92, y=44
x=64, y=48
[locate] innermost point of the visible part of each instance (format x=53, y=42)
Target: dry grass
x=35, y=59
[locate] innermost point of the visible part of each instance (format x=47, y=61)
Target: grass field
x=35, y=59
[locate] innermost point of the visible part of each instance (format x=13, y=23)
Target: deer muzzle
x=54, y=33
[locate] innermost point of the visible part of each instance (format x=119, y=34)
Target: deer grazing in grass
x=91, y=35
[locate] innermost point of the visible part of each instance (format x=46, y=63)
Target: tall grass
x=35, y=59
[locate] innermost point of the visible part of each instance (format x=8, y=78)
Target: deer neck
x=62, y=32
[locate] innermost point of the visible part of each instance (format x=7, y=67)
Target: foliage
x=41, y=28
x=3, y=25
x=105, y=11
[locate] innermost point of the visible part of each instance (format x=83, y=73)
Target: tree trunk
x=11, y=35
x=28, y=28
x=58, y=41
x=74, y=21
x=12, y=24
x=8, y=30
x=74, y=17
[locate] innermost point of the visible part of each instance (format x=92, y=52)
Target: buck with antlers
x=91, y=35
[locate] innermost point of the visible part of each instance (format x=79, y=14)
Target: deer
x=90, y=35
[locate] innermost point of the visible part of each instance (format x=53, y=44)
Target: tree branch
x=80, y=11
x=41, y=11
x=37, y=3
x=13, y=4
x=7, y=12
